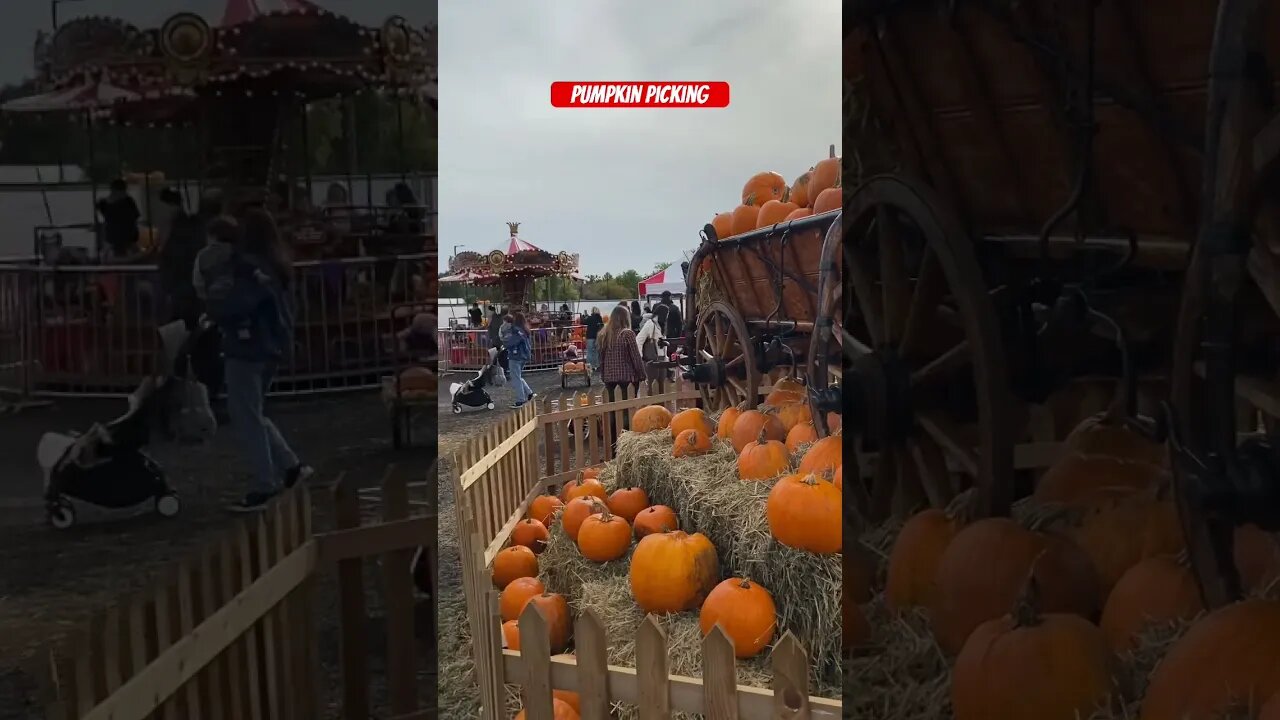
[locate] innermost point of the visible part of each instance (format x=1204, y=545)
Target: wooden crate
x=495, y=477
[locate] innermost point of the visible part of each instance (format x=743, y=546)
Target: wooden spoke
x=942, y=368
x=931, y=467
x=931, y=284
x=852, y=346
x=721, y=336
x=894, y=283
x=910, y=493
x=949, y=439
x=870, y=307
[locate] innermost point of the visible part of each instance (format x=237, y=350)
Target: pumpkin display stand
x=571, y=370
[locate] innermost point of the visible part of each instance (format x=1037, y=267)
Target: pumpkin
x=763, y=459
x=1101, y=436
x=855, y=630
x=824, y=176
x=515, y=561
x=589, y=487
x=913, y=560
x=544, y=509
x=628, y=502
x=656, y=519
x=604, y=537
x=1160, y=590
x=774, y=212
x=828, y=200
x=673, y=571
x=785, y=391
x=1002, y=672
x=516, y=595
x=824, y=456
x=763, y=187
x=793, y=414
x=724, y=428
x=691, y=419
x=1120, y=530
x=569, y=698
x=802, y=434
x=574, y=367
x=799, y=213
x=591, y=472
x=1229, y=657
x=744, y=611
x=418, y=379
x=555, y=610
x=1257, y=557
x=751, y=424
x=723, y=224
x=531, y=534
x=805, y=513
x=744, y=219
x=1076, y=478
x=560, y=710
x=985, y=567
x=833, y=422
x=690, y=443
x=800, y=191
x=578, y=510
x=650, y=418
x=511, y=635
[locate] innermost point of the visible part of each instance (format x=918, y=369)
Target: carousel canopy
x=239, y=11
x=669, y=280
x=85, y=96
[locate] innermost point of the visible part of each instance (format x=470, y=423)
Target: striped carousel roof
x=240, y=11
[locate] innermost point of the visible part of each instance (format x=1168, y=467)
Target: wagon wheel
x=825, y=358
x=921, y=339
x=722, y=341
x=1244, y=312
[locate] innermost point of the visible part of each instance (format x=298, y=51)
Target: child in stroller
x=472, y=392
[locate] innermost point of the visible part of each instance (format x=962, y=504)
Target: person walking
x=620, y=363
x=475, y=315
x=675, y=323
x=652, y=343
x=120, y=216
x=253, y=312
x=593, y=323
x=515, y=340
x=637, y=316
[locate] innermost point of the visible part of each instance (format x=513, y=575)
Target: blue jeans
x=269, y=456
x=523, y=391
x=593, y=354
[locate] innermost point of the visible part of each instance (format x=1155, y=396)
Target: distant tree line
x=608, y=286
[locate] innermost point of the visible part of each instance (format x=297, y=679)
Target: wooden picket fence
x=495, y=477
x=230, y=632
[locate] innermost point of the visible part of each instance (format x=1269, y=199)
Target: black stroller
x=472, y=393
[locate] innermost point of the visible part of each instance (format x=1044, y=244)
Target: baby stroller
x=107, y=466
x=472, y=393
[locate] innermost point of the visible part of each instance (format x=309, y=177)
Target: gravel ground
x=52, y=581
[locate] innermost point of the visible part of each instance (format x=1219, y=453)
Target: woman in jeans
x=515, y=340
x=620, y=361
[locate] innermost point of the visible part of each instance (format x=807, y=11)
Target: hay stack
x=709, y=498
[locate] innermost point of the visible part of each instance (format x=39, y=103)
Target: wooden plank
x=242, y=663
x=164, y=640
x=354, y=643
x=282, y=612
x=500, y=537
x=112, y=625
x=652, y=670
x=790, y=681
x=219, y=695
x=370, y=540
x=175, y=666
x=396, y=578
x=535, y=647
x=187, y=623
x=470, y=475
x=629, y=401
x=271, y=680
x=719, y=676
x=591, y=649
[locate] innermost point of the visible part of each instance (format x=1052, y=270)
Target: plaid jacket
x=621, y=361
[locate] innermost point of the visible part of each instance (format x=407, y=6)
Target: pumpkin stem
x=831, y=151
x=745, y=584
x=1026, y=610
x=763, y=435
x=810, y=479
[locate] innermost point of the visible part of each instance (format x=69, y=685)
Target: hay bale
x=563, y=570
x=709, y=498
x=902, y=675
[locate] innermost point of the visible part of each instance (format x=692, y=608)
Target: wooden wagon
x=1042, y=190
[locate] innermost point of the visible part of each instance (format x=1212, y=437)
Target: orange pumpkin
x=723, y=224
x=561, y=710
x=591, y=472
x=855, y=630
x=798, y=213
x=763, y=459
x=650, y=418
x=555, y=610
x=531, y=534
x=691, y=443
x=569, y=698
x=774, y=212
x=724, y=428
x=1157, y=591
x=576, y=511
x=589, y=487
x=744, y=611
x=1100, y=435
x=1257, y=557
x=800, y=191
x=913, y=561
x=604, y=537
x=673, y=572
x=785, y=391
x=628, y=502
x=744, y=219
x=763, y=187
x=833, y=422
x=828, y=200
x=802, y=434
x=825, y=175
x=1074, y=479
x=749, y=426
x=823, y=457
x=805, y=513
x=838, y=478
x=793, y=414
x=544, y=509
x=656, y=519
x=516, y=595
x=691, y=419
x=513, y=562
x=1120, y=530
x=986, y=565
x=511, y=635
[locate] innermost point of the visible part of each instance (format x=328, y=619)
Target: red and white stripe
x=240, y=11
x=516, y=245
x=88, y=96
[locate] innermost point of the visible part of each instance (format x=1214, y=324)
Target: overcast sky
x=20, y=19
x=626, y=188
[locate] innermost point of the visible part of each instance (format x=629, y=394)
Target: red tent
x=669, y=280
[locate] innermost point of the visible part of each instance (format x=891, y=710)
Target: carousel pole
x=348, y=127
x=93, y=188
x=400, y=135
x=306, y=147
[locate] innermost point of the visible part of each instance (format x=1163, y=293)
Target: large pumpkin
x=515, y=561
x=763, y=187
x=799, y=213
x=824, y=175
x=561, y=710
x=1003, y=671
x=824, y=456
x=785, y=391
x=576, y=511
x=1158, y=591
x=763, y=459
x=750, y=424
x=723, y=224
x=744, y=219
x=628, y=502
x=911, y=580
x=802, y=434
x=744, y=611
x=544, y=509
x=828, y=200
x=1120, y=530
x=691, y=443
x=1100, y=435
x=691, y=419
x=604, y=537
x=1075, y=478
x=589, y=487
x=1230, y=657
x=724, y=428
x=800, y=191
x=517, y=594
x=650, y=418
x=805, y=513
x=555, y=610
x=655, y=519
x=511, y=635
x=772, y=213
x=793, y=414
x=984, y=568
x=673, y=572
x=531, y=534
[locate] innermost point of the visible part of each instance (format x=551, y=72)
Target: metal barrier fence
x=464, y=350
x=92, y=330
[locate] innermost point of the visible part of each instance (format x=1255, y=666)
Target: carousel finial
x=514, y=226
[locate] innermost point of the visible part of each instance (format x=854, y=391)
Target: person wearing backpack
x=515, y=340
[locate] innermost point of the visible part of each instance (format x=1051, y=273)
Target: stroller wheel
x=168, y=505
x=457, y=409
x=489, y=406
x=60, y=514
